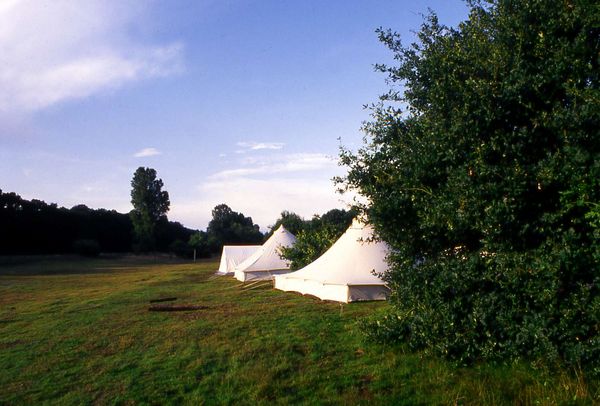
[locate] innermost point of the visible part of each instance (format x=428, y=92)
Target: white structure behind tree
x=266, y=261
x=347, y=272
x=233, y=255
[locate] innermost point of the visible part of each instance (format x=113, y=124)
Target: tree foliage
x=315, y=236
x=37, y=227
x=86, y=248
x=150, y=205
x=482, y=170
x=230, y=227
x=199, y=241
x=291, y=221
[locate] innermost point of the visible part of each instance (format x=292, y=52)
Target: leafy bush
x=86, y=248
x=487, y=185
x=316, y=236
x=199, y=242
x=310, y=245
x=181, y=249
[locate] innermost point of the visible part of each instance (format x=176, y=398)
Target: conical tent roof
x=343, y=273
x=233, y=255
x=267, y=259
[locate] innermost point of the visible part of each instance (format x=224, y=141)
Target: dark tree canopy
x=230, y=227
x=482, y=171
x=150, y=205
x=199, y=241
x=291, y=221
x=336, y=219
x=37, y=227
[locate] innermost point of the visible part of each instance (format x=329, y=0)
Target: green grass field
x=76, y=331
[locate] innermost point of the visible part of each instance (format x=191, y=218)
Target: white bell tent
x=344, y=273
x=233, y=255
x=266, y=261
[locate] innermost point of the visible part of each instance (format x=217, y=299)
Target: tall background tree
x=150, y=205
x=482, y=171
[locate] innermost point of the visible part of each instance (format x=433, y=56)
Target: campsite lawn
x=75, y=331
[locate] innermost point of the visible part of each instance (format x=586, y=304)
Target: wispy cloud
x=286, y=163
x=262, y=199
x=58, y=50
x=257, y=146
x=146, y=152
x=261, y=186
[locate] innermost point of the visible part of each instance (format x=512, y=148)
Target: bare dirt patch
x=176, y=308
x=163, y=299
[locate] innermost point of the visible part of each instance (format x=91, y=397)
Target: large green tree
x=150, y=205
x=482, y=170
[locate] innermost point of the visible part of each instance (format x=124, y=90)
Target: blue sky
x=239, y=102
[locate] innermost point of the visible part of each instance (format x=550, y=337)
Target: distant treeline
x=32, y=227
x=36, y=227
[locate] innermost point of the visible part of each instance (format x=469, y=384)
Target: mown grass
x=79, y=332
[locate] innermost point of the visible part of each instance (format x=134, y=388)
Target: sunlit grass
x=79, y=331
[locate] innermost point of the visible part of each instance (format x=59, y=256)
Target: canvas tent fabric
x=266, y=261
x=233, y=255
x=344, y=273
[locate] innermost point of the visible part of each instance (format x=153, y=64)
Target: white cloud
x=287, y=163
x=146, y=152
x=261, y=199
x=263, y=186
x=257, y=146
x=58, y=50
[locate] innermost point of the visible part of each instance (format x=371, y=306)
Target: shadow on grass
x=73, y=264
